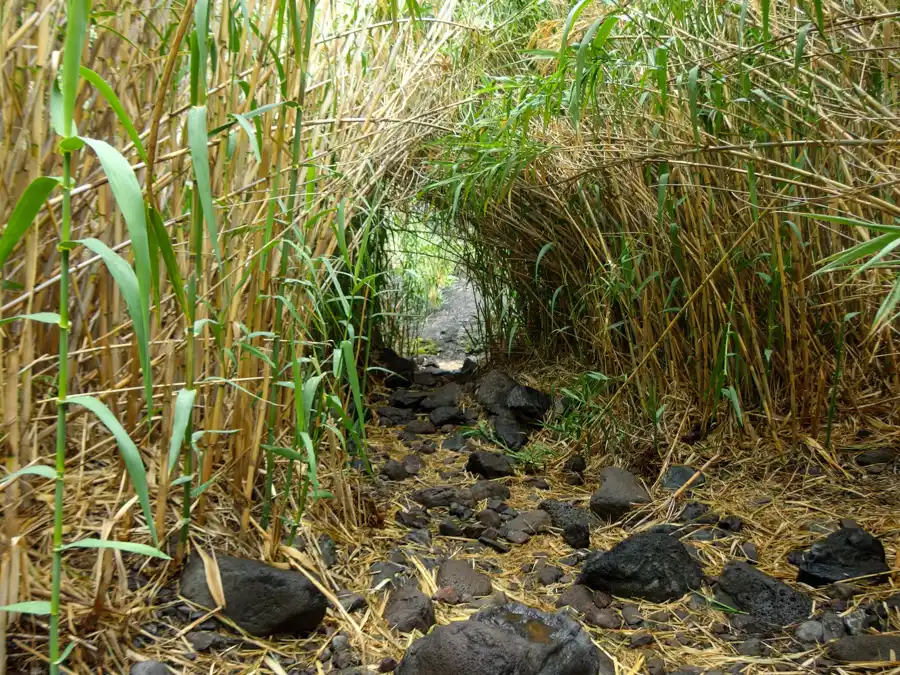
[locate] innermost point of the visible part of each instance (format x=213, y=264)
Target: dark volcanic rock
x=447, y=415
x=489, y=489
x=490, y=518
x=443, y=495
x=512, y=433
x=489, y=464
x=866, y=648
x=528, y=404
x=679, y=474
x=530, y=522
x=445, y=397
x=403, y=369
x=464, y=579
x=415, y=519
x=575, y=464
x=409, y=609
x=509, y=639
x=846, y=554
x=876, y=456
x=583, y=599
x=619, y=490
x=493, y=390
x=261, y=599
x=403, y=398
x=394, y=470
x=448, y=528
x=413, y=464
x=421, y=427
x=763, y=597
x=456, y=443
x=573, y=521
x=395, y=415
x=648, y=565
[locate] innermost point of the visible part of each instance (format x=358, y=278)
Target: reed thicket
x=666, y=182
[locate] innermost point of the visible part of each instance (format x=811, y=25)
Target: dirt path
x=451, y=327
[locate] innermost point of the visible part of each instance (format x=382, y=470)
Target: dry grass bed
x=782, y=509
x=140, y=617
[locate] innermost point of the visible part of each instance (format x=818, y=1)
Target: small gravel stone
x=604, y=618
x=748, y=548
x=517, y=537
x=632, y=615
x=640, y=639
x=549, y=575
x=751, y=647
x=448, y=528
x=810, y=632
x=490, y=518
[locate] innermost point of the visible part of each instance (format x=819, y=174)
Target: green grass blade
x=127, y=191
x=36, y=470
x=820, y=17
x=130, y=455
x=184, y=406
x=42, y=317
x=129, y=286
x=861, y=250
x=766, y=11
x=251, y=133
x=692, y=99
x=851, y=222
x=309, y=394
x=197, y=137
x=601, y=28
x=118, y=108
x=169, y=260
x=801, y=46
x=77, y=14
x=662, y=76
x=24, y=213
x=29, y=607
x=128, y=546
x=888, y=305
x=545, y=249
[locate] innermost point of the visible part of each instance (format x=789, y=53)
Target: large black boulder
x=445, y=397
x=647, y=565
x=261, y=599
x=511, y=433
x=866, y=648
x=509, y=639
x=402, y=370
x=392, y=415
x=489, y=464
x=409, y=609
x=765, y=599
x=848, y=553
x=528, y=404
x=447, y=415
x=493, y=390
x=404, y=398
x=619, y=491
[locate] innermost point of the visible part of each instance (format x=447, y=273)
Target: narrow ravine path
x=454, y=324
